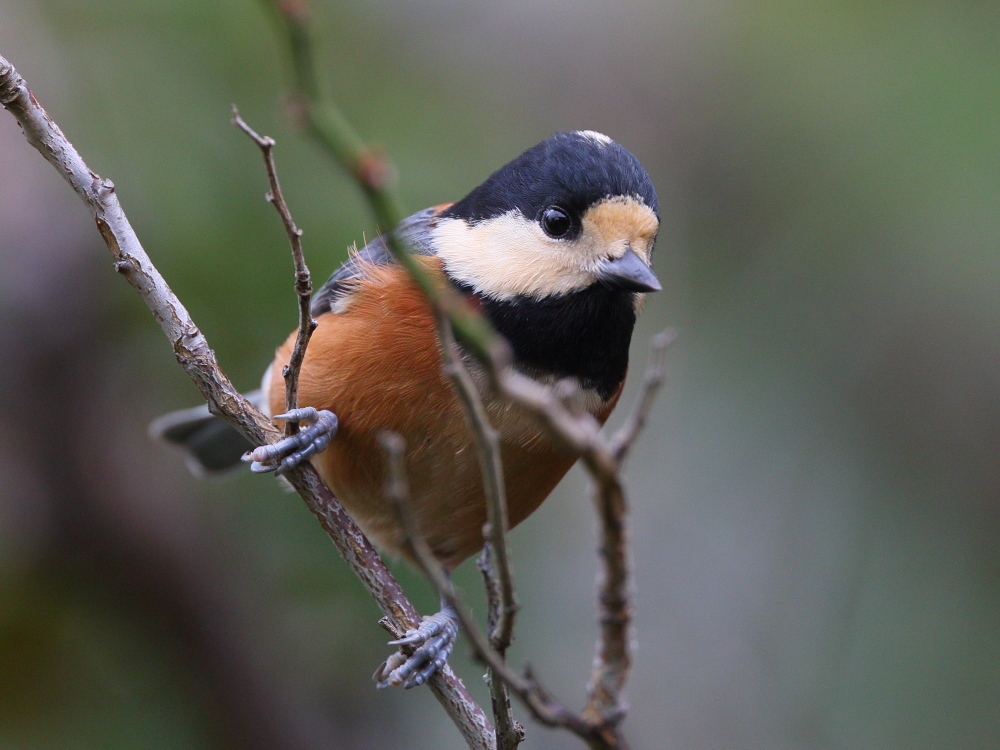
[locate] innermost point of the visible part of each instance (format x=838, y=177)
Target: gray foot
x=318, y=429
x=434, y=641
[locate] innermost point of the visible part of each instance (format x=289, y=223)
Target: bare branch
x=498, y=524
x=541, y=705
x=510, y=733
x=613, y=658
x=303, y=281
x=198, y=360
x=500, y=595
x=625, y=438
x=581, y=433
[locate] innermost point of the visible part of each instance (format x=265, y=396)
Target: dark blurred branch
x=303, y=281
x=374, y=174
x=371, y=169
x=580, y=433
x=198, y=360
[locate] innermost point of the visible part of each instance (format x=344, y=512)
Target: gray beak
x=629, y=274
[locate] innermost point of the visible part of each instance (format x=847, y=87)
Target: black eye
x=555, y=222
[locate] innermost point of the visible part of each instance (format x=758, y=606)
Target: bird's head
x=574, y=211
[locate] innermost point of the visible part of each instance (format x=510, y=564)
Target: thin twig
x=580, y=433
x=198, y=360
x=303, y=281
x=623, y=440
x=498, y=523
x=495, y=564
x=613, y=657
x=510, y=732
x=541, y=705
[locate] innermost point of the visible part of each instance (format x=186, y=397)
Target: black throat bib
x=584, y=334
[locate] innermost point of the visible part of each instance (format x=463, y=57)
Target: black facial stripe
x=584, y=334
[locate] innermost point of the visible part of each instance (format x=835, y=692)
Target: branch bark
x=599, y=723
x=198, y=360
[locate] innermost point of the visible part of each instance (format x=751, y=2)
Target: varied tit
x=555, y=247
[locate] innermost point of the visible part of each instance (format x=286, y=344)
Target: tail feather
x=211, y=444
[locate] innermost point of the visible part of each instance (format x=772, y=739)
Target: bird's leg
x=319, y=427
x=433, y=640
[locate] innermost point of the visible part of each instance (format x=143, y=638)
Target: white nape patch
x=593, y=135
x=511, y=256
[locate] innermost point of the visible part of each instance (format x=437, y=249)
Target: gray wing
x=415, y=230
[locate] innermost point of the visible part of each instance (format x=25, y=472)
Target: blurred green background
x=816, y=503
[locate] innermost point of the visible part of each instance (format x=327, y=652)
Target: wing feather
x=415, y=230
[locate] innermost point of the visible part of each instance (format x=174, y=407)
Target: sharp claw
x=404, y=641
x=304, y=414
x=383, y=674
x=434, y=641
x=291, y=451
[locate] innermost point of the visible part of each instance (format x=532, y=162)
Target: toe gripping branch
x=431, y=643
x=319, y=427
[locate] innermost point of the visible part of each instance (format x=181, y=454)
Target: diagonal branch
x=199, y=361
x=374, y=174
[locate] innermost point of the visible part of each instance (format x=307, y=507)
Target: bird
x=555, y=249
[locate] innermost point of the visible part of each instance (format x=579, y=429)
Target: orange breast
x=377, y=366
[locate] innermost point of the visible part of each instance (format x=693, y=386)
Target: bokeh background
x=817, y=500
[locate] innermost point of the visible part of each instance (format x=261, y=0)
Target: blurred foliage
x=817, y=504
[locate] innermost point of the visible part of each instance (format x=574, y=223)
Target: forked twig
x=541, y=705
x=623, y=440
